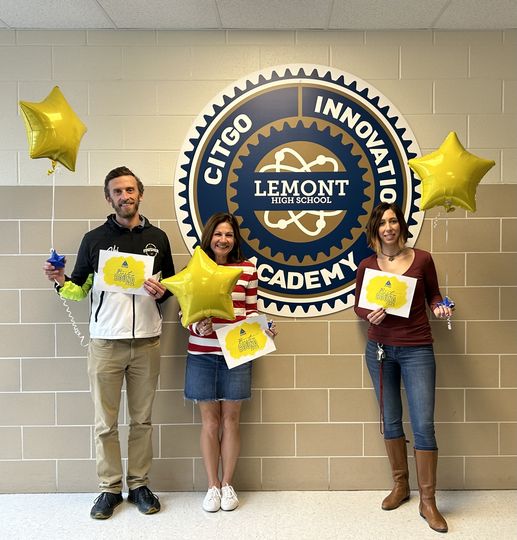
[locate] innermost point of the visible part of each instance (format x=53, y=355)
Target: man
x=124, y=341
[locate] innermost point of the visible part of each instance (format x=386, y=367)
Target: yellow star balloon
x=204, y=288
x=450, y=175
x=54, y=131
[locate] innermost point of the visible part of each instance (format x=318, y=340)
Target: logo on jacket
x=151, y=250
x=300, y=155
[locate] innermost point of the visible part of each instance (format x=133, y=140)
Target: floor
x=262, y=515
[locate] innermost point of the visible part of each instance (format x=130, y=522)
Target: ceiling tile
x=479, y=14
x=53, y=14
x=274, y=14
x=179, y=14
x=379, y=14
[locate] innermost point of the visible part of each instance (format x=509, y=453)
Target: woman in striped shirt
x=218, y=391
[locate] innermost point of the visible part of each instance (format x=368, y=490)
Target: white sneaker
x=212, y=500
x=229, y=499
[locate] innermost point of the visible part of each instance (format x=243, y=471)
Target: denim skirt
x=207, y=378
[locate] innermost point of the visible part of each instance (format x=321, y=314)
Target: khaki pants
x=109, y=361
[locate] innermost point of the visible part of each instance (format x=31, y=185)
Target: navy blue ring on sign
x=300, y=155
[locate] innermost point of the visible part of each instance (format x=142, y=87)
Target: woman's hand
x=443, y=312
x=272, y=331
x=376, y=316
x=155, y=289
x=204, y=327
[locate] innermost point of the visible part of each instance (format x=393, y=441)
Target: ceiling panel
x=479, y=14
x=179, y=14
x=57, y=14
x=274, y=14
x=382, y=14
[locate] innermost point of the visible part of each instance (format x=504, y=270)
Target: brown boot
x=397, y=454
x=426, y=461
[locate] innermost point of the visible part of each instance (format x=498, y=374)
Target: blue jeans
x=415, y=366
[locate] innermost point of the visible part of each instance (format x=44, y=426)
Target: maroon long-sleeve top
x=415, y=330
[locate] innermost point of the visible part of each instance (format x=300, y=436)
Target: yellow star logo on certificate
x=450, y=175
x=204, y=288
x=54, y=131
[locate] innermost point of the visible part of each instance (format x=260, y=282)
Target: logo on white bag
x=300, y=155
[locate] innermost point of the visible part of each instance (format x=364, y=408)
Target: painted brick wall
x=313, y=419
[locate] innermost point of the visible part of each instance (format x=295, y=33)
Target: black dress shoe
x=104, y=505
x=146, y=501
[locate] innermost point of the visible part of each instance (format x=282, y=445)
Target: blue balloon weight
x=56, y=260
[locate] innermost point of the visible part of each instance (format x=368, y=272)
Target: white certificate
x=245, y=340
x=393, y=292
x=123, y=272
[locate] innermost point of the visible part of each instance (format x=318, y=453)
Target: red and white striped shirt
x=244, y=298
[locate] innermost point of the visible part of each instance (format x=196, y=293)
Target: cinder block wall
x=313, y=419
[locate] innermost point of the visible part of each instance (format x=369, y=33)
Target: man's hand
x=54, y=274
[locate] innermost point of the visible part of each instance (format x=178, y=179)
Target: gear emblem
x=310, y=217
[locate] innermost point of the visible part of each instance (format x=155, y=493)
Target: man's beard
x=126, y=212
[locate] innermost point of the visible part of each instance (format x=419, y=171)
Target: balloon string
x=52, y=172
x=75, y=326
x=53, y=210
x=77, y=331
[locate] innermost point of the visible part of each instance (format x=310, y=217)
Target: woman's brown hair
x=374, y=222
x=235, y=255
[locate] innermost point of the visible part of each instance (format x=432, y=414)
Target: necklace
x=392, y=257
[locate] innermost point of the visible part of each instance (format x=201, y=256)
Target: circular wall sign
x=300, y=154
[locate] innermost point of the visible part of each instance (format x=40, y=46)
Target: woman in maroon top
x=401, y=348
